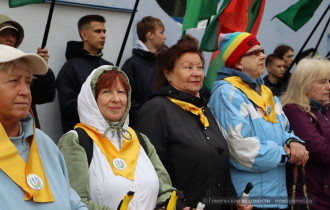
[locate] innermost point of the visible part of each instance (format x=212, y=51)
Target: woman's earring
x=242, y=69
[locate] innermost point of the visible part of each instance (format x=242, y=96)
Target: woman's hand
x=298, y=153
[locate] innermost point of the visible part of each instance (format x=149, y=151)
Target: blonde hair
x=307, y=71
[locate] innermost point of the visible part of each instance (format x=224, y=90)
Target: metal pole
x=127, y=33
x=310, y=35
x=318, y=43
x=50, y=14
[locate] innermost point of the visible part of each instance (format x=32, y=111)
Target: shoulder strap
x=142, y=142
x=86, y=142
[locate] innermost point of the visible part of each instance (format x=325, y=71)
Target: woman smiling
x=118, y=162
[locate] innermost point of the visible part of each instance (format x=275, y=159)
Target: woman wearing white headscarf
x=119, y=164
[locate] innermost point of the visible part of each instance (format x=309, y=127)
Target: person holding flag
x=43, y=86
x=252, y=121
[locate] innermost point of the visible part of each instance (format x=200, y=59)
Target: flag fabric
x=197, y=10
x=174, y=8
x=19, y=3
x=233, y=16
x=299, y=13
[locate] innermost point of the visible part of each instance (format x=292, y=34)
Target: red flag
x=233, y=15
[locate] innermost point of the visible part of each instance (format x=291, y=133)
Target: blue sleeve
x=241, y=124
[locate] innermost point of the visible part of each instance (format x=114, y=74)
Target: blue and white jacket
x=256, y=146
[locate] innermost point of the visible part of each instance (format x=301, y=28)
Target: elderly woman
x=306, y=104
x=252, y=121
x=33, y=173
x=119, y=163
x=184, y=131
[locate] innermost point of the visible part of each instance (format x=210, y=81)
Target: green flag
x=19, y=3
x=233, y=15
x=299, y=14
x=197, y=10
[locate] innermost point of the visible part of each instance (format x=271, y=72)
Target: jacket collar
x=170, y=91
x=228, y=72
x=318, y=106
x=75, y=49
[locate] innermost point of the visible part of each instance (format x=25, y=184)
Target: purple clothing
x=316, y=134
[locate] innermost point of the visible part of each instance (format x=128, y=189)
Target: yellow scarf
x=122, y=162
x=193, y=109
x=265, y=101
x=30, y=177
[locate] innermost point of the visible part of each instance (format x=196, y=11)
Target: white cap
x=38, y=64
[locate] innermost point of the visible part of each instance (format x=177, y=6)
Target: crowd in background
x=148, y=135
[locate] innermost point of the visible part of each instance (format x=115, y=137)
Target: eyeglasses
x=254, y=52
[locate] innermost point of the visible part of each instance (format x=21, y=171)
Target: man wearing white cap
x=33, y=174
x=42, y=87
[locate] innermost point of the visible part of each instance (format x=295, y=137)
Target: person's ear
x=83, y=35
x=149, y=35
x=168, y=75
x=238, y=64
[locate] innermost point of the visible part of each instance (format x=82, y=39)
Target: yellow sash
x=193, y=109
x=15, y=167
x=122, y=162
x=265, y=101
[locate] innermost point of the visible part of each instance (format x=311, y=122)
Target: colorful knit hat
x=233, y=45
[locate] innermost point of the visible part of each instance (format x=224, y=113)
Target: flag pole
x=50, y=14
x=310, y=35
x=127, y=33
x=318, y=43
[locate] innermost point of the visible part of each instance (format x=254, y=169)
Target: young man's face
x=288, y=58
x=158, y=37
x=276, y=68
x=94, y=37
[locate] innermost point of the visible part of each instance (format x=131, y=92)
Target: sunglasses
x=254, y=52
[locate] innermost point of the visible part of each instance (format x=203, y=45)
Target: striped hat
x=233, y=45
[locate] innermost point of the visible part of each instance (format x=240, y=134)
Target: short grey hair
x=21, y=63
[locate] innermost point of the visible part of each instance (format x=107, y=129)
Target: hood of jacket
x=75, y=49
x=90, y=114
x=225, y=72
x=20, y=35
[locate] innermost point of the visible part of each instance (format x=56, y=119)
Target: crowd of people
x=149, y=136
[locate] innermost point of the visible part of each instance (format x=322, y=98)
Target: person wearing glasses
x=253, y=123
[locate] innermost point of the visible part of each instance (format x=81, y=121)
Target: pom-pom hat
x=233, y=45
